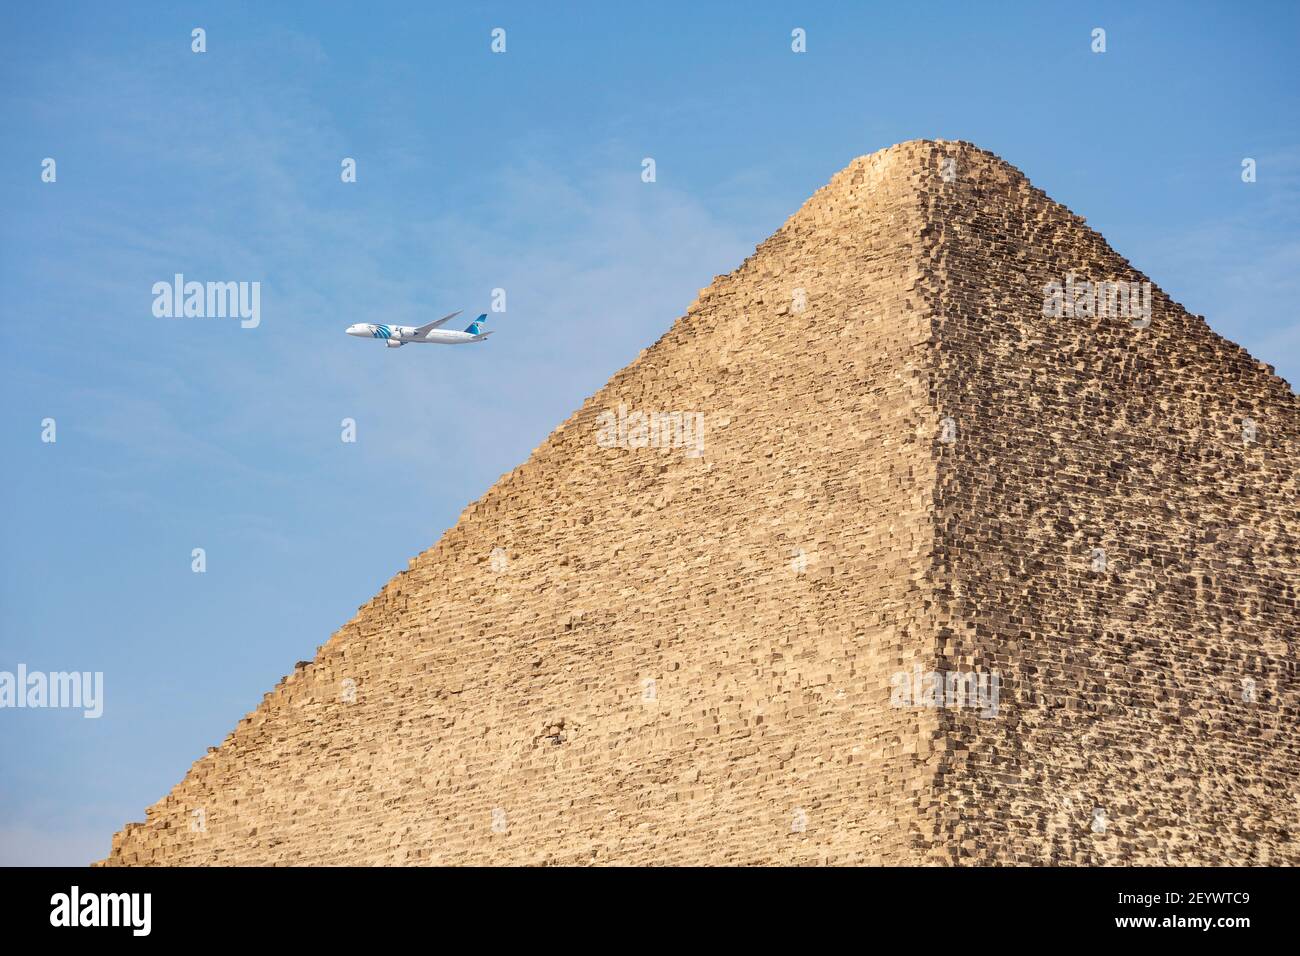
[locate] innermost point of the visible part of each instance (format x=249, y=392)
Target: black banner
x=332, y=906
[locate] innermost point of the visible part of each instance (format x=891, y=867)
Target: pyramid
x=873, y=558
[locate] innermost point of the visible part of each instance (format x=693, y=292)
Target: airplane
x=395, y=336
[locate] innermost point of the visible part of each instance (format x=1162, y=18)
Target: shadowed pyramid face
x=943, y=487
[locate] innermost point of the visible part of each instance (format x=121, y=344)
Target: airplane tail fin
x=476, y=327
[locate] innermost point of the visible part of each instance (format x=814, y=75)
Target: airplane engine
x=393, y=343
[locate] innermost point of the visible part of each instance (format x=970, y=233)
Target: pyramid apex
x=925, y=154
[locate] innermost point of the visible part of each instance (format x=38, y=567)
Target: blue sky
x=475, y=171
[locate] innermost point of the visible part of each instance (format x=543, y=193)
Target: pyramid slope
x=690, y=659
x=1151, y=706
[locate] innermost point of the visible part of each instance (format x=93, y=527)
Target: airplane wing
x=426, y=329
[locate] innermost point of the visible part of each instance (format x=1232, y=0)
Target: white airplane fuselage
x=396, y=335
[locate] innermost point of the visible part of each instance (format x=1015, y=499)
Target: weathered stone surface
x=641, y=655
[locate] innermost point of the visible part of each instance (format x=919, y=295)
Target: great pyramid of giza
x=926, y=569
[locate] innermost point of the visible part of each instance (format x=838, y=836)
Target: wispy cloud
x=1234, y=270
